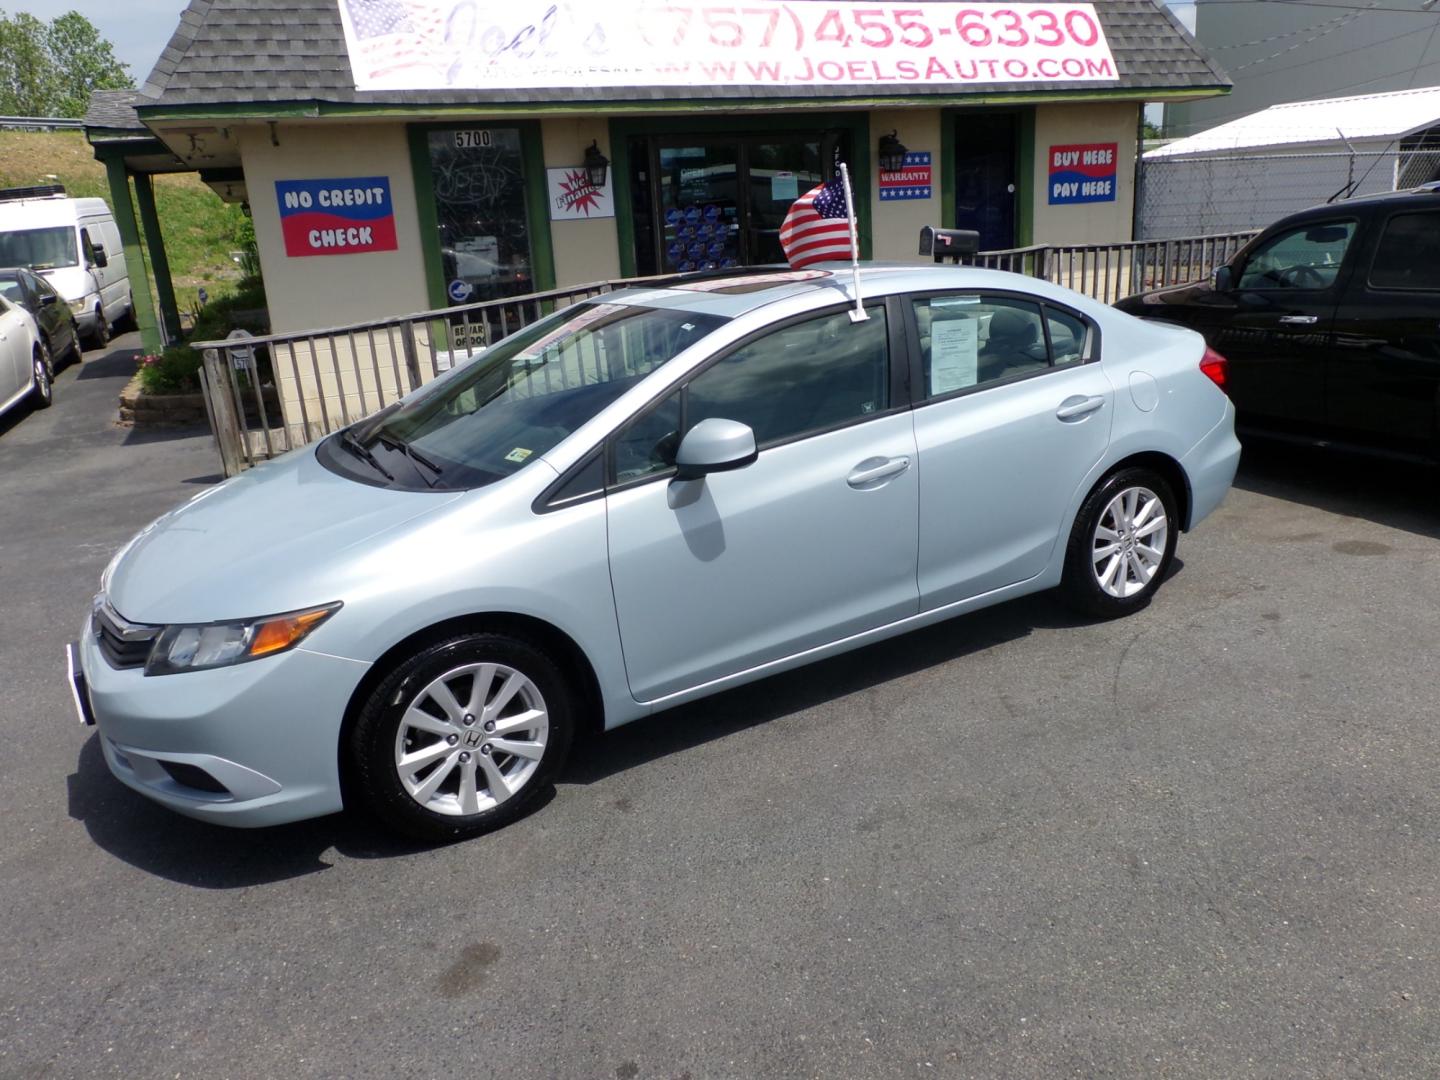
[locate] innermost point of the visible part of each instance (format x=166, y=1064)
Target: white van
x=75, y=245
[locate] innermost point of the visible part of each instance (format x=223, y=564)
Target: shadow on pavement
x=158, y=841
x=735, y=710
x=1398, y=495
x=116, y=364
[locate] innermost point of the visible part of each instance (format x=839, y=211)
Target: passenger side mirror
x=48, y=298
x=714, y=445
x=101, y=259
x=1223, y=279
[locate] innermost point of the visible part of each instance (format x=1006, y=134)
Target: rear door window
x=970, y=340
x=1408, y=256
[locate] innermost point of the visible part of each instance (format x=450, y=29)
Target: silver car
x=638, y=502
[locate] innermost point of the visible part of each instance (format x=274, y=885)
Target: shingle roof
x=253, y=51
x=114, y=109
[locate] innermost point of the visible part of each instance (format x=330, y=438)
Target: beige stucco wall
x=1085, y=223
x=895, y=226
x=330, y=290
x=584, y=250
x=314, y=292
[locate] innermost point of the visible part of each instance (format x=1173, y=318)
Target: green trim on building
x=1025, y=193
x=134, y=254
x=537, y=206
x=281, y=110
x=947, y=169
x=159, y=261
x=417, y=136
x=620, y=190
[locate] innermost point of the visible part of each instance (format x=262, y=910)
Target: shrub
x=172, y=372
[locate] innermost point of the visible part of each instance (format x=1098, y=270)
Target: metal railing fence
x=269, y=394
x=1110, y=272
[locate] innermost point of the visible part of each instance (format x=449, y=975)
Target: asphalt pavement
x=1199, y=842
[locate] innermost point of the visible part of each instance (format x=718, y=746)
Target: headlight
x=212, y=645
x=81, y=306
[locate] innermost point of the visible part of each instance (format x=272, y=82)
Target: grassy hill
x=200, y=231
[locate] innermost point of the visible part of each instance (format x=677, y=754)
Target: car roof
x=734, y=293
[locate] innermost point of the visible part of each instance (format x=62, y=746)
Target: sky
x=139, y=29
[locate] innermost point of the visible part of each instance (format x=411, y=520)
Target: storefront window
x=479, y=179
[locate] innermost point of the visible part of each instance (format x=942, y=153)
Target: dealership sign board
x=336, y=217
x=537, y=44
x=910, y=182
x=1083, y=173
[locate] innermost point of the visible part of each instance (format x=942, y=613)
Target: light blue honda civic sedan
x=637, y=502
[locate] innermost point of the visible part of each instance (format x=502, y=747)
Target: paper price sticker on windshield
x=518, y=455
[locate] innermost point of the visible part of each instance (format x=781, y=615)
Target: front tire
x=100, y=336
x=42, y=393
x=462, y=737
x=1122, y=544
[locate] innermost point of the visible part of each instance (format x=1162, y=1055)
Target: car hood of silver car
x=263, y=543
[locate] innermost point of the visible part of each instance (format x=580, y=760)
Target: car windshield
x=39, y=249
x=519, y=398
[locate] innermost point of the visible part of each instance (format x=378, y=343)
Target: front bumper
x=250, y=745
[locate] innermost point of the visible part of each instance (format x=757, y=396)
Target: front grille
x=123, y=644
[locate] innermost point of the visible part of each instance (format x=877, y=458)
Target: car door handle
x=1299, y=320
x=873, y=470
x=1074, y=407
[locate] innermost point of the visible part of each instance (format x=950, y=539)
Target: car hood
x=273, y=539
x=1195, y=292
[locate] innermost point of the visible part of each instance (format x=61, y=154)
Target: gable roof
x=255, y=51
x=1363, y=117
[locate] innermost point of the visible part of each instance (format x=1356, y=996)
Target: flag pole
x=858, y=315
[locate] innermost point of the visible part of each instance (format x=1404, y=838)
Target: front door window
x=719, y=202
x=479, y=178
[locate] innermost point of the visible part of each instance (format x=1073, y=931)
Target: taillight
x=1216, y=368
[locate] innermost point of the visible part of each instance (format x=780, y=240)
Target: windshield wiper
x=360, y=450
x=414, y=455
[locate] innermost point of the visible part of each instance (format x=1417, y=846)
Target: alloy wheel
x=471, y=739
x=44, y=376
x=1129, y=544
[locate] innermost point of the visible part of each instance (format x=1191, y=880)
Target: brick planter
x=142, y=410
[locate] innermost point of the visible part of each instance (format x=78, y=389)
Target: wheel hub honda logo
x=472, y=738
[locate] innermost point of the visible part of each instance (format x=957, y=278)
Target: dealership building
x=401, y=155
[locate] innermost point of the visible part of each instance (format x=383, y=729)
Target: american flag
x=817, y=228
x=392, y=36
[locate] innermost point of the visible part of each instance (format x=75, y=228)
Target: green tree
x=49, y=70
x=83, y=61
x=27, y=73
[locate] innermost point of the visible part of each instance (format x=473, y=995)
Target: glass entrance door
x=719, y=202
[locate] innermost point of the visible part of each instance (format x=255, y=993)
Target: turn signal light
x=1216, y=368
x=277, y=634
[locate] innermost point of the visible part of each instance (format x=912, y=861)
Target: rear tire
x=462, y=737
x=1122, y=544
x=42, y=393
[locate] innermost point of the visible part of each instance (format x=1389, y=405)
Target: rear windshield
x=39, y=249
x=517, y=399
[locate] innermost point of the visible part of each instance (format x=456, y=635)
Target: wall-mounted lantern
x=892, y=153
x=596, y=165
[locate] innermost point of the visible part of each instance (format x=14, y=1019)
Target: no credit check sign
x=348, y=216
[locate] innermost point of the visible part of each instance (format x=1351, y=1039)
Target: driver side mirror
x=714, y=445
x=1223, y=279
x=46, y=299
x=101, y=259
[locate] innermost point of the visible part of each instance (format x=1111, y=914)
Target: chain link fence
x=1236, y=192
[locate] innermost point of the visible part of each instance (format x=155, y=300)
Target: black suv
x=1331, y=321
